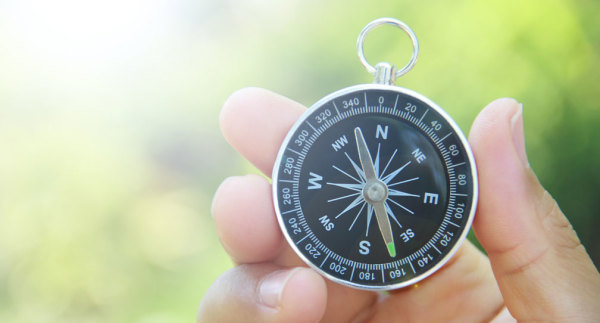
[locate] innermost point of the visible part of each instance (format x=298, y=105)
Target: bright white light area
x=89, y=32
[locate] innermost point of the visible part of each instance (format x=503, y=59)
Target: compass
x=375, y=185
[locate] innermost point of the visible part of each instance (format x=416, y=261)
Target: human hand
x=537, y=268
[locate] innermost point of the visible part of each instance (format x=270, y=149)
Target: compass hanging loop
x=386, y=73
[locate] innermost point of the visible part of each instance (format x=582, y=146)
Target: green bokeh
x=111, y=152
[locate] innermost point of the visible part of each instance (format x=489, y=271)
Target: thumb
x=543, y=271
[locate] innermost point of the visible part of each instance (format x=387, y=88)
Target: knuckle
x=525, y=263
x=558, y=228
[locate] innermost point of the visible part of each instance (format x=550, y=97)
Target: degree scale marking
x=364, y=111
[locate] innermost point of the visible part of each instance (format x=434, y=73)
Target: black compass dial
x=374, y=187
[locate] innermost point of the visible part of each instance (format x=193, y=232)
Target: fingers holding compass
x=375, y=192
x=247, y=123
x=247, y=227
x=255, y=121
x=245, y=220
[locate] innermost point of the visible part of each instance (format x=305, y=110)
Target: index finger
x=255, y=121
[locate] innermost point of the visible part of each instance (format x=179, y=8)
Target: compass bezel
x=455, y=129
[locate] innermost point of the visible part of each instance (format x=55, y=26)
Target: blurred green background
x=111, y=149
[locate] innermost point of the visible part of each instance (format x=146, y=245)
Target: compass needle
x=364, y=156
x=377, y=160
x=369, y=217
x=391, y=249
x=375, y=186
x=375, y=191
x=384, y=226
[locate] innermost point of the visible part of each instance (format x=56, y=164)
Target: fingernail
x=518, y=135
x=271, y=287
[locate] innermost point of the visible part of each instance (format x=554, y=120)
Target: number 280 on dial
x=375, y=187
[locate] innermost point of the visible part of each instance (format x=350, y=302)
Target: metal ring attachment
x=390, y=21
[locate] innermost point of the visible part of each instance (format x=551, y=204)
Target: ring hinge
x=390, y=21
x=385, y=73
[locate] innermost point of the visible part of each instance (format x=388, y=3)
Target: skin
x=537, y=269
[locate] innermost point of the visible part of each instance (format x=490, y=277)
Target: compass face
x=375, y=187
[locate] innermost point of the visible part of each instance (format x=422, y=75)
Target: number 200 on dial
x=375, y=187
